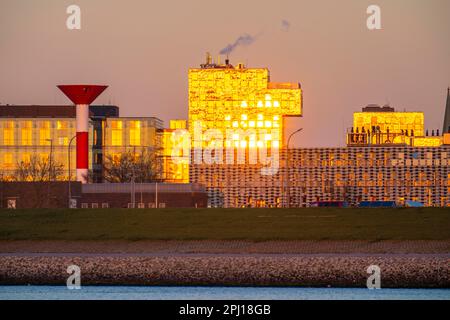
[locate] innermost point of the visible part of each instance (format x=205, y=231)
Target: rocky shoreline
x=397, y=271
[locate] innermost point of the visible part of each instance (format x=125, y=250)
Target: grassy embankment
x=226, y=224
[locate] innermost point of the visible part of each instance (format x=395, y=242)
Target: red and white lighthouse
x=82, y=96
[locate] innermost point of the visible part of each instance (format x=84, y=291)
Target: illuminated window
x=116, y=133
x=8, y=160
x=268, y=124
x=235, y=124
x=63, y=141
x=8, y=134
x=61, y=125
x=135, y=133
x=44, y=157
x=26, y=133
x=244, y=117
x=251, y=124
x=177, y=124
x=276, y=104
x=26, y=157
x=260, y=104
x=44, y=134
x=244, y=104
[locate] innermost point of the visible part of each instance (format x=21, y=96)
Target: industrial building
x=232, y=150
x=389, y=155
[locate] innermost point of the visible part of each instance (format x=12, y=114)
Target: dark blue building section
x=377, y=204
x=339, y=204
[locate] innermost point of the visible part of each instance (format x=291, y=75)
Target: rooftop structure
x=54, y=111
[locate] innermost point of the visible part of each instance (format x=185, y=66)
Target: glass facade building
x=22, y=138
x=27, y=131
x=240, y=100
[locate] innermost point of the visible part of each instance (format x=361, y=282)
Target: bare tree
x=38, y=170
x=141, y=166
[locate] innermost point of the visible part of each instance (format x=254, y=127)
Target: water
x=216, y=293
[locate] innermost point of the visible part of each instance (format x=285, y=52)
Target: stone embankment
x=345, y=270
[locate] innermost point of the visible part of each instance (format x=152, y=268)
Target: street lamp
x=286, y=178
x=70, y=172
x=49, y=170
x=50, y=158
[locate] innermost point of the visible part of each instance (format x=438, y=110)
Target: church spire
x=446, y=127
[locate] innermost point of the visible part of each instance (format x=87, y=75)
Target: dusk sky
x=143, y=49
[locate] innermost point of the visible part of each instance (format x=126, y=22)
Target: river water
x=215, y=293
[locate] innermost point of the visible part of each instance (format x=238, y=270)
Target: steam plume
x=285, y=25
x=243, y=40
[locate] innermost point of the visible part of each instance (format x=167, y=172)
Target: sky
x=143, y=49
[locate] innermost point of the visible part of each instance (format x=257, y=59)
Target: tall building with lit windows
x=225, y=97
x=238, y=110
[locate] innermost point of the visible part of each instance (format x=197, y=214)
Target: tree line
x=127, y=166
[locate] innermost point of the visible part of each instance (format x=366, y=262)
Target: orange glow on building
x=175, y=164
x=383, y=126
x=223, y=97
